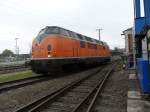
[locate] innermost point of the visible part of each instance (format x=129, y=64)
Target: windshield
x=44, y=32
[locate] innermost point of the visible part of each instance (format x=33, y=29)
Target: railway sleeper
x=74, y=100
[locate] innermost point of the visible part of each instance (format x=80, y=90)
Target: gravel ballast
x=12, y=100
x=114, y=95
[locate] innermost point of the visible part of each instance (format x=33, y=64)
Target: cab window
x=82, y=44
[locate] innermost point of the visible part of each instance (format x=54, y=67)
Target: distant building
x=21, y=57
x=129, y=47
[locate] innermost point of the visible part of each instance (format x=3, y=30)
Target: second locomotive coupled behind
x=55, y=47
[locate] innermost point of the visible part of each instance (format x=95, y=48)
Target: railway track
x=6, y=86
x=15, y=68
x=72, y=97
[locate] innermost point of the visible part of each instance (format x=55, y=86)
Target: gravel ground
x=12, y=100
x=114, y=95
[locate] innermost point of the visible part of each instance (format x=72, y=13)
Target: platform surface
x=135, y=101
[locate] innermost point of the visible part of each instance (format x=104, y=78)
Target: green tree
x=7, y=53
x=116, y=49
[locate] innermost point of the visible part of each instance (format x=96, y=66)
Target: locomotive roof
x=68, y=33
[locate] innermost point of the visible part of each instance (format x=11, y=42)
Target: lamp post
x=17, y=48
x=99, y=33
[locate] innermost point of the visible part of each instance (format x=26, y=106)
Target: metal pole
x=16, y=39
x=99, y=33
x=134, y=52
x=17, y=48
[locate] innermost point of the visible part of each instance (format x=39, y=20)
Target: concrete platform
x=132, y=76
x=135, y=101
x=138, y=105
x=134, y=95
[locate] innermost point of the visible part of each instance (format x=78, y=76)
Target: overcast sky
x=23, y=19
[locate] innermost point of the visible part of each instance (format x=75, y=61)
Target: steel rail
x=6, y=86
x=19, y=80
x=9, y=69
x=99, y=90
x=94, y=91
x=36, y=105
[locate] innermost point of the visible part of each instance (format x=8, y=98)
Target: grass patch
x=16, y=76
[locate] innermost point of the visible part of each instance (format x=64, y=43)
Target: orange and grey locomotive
x=55, y=47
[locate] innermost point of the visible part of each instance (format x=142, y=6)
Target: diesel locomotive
x=55, y=47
